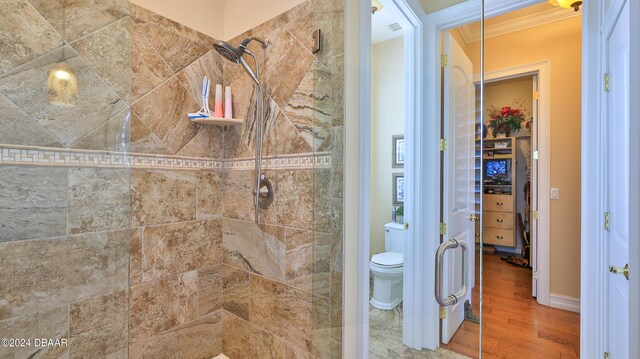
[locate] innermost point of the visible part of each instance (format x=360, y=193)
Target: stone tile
x=45, y=273
x=241, y=340
x=49, y=323
x=98, y=326
x=288, y=139
x=108, y=51
x=210, y=289
x=164, y=110
x=158, y=306
x=98, y=199
x=162, y=197
x=321, y=264
x=25, y=36
x=236, y=291
x=249, y=129
x=206, y=143
x=147, y=66
x=209, y=64
x=298, y=321
x=135, y=257
x=337, y=162
x=322, y=202
x=293, y=352
x=33, y=202
x=95, y=104
x=178, y=45
x=295, y=200
x=180, y=247
x=256, y=248
x=336, y=66
x=199, y=339
x=299, y=258
x=310, y=107
x=124, y=132
x=337, y=237
x=234, y=147
x=17, y=128
x=336, y=306
x=78, y=18
x=238, y=199
x=286, y=55
x=210, y=186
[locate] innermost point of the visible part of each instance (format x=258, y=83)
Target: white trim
x=472, y=34
x=564, y=302
x=543, y=71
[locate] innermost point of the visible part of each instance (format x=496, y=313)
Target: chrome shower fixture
x=263, y=191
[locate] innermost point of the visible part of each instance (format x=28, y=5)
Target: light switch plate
x=555, y=193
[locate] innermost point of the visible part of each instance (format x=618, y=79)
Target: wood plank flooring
x=514, y=325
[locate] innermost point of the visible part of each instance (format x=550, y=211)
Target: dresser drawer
x=499, y=220
x=498, y=202
x=500, y=237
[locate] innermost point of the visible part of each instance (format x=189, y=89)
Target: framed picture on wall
x=397, y=148
x=398, y=188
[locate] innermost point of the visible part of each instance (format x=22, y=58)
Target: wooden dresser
x=498, y=217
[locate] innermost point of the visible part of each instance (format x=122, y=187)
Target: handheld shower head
x=229, y=52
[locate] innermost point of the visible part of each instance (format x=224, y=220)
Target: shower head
x=235, y=54
x=229, y=52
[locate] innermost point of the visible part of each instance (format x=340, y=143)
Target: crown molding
x=470, y=34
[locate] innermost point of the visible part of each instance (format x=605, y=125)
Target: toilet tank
x=394, y=237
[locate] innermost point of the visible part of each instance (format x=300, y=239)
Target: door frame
x=542, y=70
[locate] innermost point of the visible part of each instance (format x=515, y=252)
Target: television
x=497, y=170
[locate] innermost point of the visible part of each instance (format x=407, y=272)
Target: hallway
x=515, y=325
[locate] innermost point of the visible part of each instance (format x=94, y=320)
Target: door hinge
x=442, y=313
x=535, y=275
x=474, y=217
x=607, y=82
x=534, y=214
x=444, y=60
x=406, y=226
x=607, y=221
x=443, y=228
x=536, y=155
x=536, y=95
x=443, y=144
x=606, y=355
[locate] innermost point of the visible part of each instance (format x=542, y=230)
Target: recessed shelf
x=218, y=121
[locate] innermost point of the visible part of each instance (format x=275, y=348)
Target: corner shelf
x=218, y=121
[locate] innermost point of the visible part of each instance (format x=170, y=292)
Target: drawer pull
x=499, y=203
x=499, y=220
x=499, y=237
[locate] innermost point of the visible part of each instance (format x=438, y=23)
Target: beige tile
x=33, y=202
x=236, y=291
x=160, y=305
x=124, y=132
x=17, y=128
x=135, y=257
x=210, y=65
x=77, y=18
x=206, y=143
x=288, y=140
x=178, y=45
x=238, y=199
x=242, y=340
x=108, y=51
x=98, y=326
x=180, y=247
x=336, y=306
x=49, y=323
x=299, y=316
x=256, y=248
x=98, y=199
x=337, y=252
x=234, y=146
x=61, y=270
x=199, y=339
x=210, y=188
x=95, y=104
x=159, y=197
x=293, y=352
x=294, y=203
x=299, y=258
x=210, y=289
x=25, y=35
x=321, y=264
x=164, y=110
x=148, y=68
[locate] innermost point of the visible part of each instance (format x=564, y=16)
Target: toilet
x=387, y=268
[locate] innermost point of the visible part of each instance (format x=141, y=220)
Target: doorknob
x=617, y=270
x=454, y=298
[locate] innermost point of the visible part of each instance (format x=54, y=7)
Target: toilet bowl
x=387, y=269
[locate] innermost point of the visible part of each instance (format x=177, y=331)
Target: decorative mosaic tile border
x=46, y=156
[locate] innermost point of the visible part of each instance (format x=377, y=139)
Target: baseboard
x=564, y=302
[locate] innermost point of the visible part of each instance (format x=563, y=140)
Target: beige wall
x=206, y=16
x=387, y=119
x=560, y=43
x=220, y=19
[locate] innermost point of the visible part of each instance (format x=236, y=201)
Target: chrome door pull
x=617, y=270
x=454, y=298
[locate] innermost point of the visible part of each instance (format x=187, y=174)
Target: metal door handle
x=617, y=270
x=451, y=299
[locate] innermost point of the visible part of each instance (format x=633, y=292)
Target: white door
x=616, y=119
x=459, y=177
x=533, y=223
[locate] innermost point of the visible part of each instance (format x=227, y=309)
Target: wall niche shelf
x=218, y=121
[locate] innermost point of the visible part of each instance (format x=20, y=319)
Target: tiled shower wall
x=147, y=260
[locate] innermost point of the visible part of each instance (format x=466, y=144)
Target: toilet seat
x=388, y=260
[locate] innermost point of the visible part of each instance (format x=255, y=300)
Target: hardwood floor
x=514, y=324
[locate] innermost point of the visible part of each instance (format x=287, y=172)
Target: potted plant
x=506, y=119
x=399, y=214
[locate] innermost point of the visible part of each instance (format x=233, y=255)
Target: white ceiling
x=380, y=30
